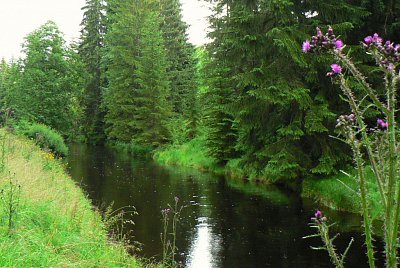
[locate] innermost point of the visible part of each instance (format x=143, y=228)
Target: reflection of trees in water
x=228, y=224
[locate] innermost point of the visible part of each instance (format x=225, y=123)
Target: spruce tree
x=122, y=46
x=4, y=82
x=152, y=107
x=136, y=99
x=282, y=117
x=220, y=133
x=91, y=51
x=181, y=70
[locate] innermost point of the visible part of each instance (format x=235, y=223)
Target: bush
x=45, y=137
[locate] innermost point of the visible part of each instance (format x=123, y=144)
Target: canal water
x=223, y=224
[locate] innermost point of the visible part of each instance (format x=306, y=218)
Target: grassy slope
x=55, y=224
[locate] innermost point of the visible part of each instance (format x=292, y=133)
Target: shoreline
x=335, y=191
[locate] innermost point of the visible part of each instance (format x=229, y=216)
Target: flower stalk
x=379, y=143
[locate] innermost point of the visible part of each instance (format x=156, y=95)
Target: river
x=223, y=224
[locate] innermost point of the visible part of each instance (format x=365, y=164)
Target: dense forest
x=250, y=99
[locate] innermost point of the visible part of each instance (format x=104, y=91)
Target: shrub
x=46, y=137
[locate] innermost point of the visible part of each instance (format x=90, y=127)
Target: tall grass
x=55, y=224
x=340, y=192
x=191, y=154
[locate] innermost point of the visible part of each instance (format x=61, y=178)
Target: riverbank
x=45, y=219
x=338, y=191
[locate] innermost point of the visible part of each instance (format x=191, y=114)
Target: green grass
x=340, y=192
x=191, y=154
x=54, y=223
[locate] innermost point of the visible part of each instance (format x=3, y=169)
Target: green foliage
x=138, y=110
x=260, y=106
x=152, y=110
x=122, y=49
x=46, y=86
x=46, y=137
x=339, y=192
x=91, y=50
x=181, y=63
x=191, y=154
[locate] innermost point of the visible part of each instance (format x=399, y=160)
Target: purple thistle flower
x=318, y=214
x=339, y=44
x=377, y=39
x=382, y=124
x=306, y=46
x=390, y=67
x=336, y=68
x=368, y=40
x=166, y=210
x=319, y=32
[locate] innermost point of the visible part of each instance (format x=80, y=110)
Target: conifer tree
x=152, y=110
x=220, y=133
x=122, y=45
x=4, y=82
x=10, y=75
x=137, y=110
x=282, y=119
x=181, y=63
x=91, y=51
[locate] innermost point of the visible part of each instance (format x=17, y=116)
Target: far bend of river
x=225, y=224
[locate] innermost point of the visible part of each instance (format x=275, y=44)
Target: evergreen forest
x=260, y=102
x=250, y=101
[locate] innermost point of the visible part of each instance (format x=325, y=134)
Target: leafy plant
x=319, y=221
x=10, y=199
x=170, y=219
x=373, y=145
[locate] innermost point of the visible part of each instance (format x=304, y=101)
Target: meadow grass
x=54, y=224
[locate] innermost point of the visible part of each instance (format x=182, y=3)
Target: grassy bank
x=338, y=191
x=191, y=154
x=45, y=219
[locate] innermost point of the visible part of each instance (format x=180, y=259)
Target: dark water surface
x=225, y=223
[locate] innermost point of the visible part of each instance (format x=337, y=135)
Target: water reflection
x=205, y=245
x=225, y=224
